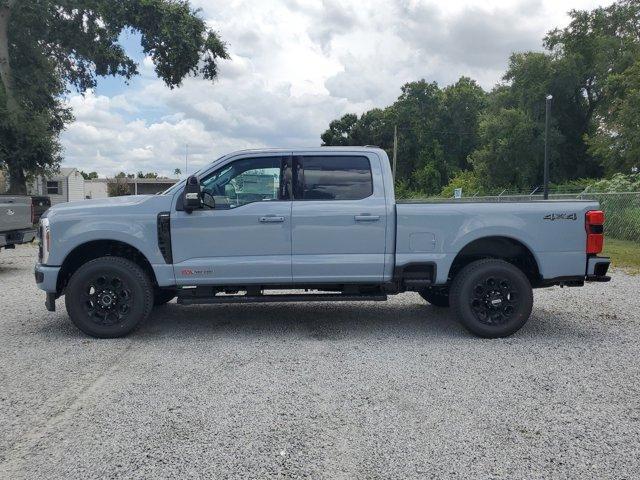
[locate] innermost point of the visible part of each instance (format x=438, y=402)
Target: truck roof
x=366, y=148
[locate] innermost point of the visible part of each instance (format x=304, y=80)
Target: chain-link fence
x=622, y=209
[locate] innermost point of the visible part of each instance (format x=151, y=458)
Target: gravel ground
x=376, y=390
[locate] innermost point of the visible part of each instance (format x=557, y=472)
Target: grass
x=624, y=254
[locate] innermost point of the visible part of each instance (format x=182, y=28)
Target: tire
x=491, y=298
x=438, y=297
x=109, y=297
x=162, y=296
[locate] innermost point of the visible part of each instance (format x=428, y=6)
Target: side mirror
x=192, y=197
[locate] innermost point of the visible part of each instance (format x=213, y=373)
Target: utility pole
x=186, y=159
x=546, y=145
x=395, y=150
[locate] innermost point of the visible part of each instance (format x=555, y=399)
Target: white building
x=96, y=188
x=66, y=186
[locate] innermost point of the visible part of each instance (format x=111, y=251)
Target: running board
x=320, y=297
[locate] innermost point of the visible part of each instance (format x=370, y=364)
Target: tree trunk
x=6, y=74
x=17, y=180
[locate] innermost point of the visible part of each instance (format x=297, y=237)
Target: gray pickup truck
x=16, y=221
x=323, y=222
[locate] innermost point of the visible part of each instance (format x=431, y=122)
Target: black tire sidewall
x=462, y=293
x=135, y=278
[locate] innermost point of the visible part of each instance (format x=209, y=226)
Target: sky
x=296, y=65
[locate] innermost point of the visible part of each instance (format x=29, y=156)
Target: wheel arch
x=101, y=248
x=510, y=249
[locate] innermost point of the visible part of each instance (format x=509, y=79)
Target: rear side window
x=332, y=178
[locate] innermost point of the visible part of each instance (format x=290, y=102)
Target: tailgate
x=15, y=213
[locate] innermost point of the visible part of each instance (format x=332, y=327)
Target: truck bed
x=553, y=231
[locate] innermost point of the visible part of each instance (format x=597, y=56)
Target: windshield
x=180, y=183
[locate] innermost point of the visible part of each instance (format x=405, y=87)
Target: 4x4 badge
x=561, y=216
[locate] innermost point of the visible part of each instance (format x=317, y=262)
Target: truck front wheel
x=491, y=298
x=109, y=297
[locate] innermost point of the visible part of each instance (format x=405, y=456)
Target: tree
x=509, y=153
x=617, y=140
x=119, y=186
x=46, y=45
x=147, y=175
x=463, y=103
x=340, y=132
x=89, y=176
x=177, y=172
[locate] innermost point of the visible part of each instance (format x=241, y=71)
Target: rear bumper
x=597, y=268
x=17, y=237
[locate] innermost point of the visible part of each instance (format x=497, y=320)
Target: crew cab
x=321, y=224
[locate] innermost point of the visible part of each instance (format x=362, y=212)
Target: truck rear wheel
x=491, y=298
x=109, y=297
x=436, y=296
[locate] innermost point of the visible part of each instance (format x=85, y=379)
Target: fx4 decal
x=561, y=216
x=187, y=272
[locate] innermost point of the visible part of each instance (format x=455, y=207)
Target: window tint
x=244, y=181
x=334, y=178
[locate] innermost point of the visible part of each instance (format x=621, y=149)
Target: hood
x=125, y=200
x=112, y=206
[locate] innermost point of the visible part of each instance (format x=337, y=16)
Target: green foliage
x=617, y=183
x=592, y=70
x=53, y=44
x=140, y=174
x=617, y=140
x=467, y=181
x=89, y=176
x=509, y=153
x=437, y=130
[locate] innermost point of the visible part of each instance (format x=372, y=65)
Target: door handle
x=367, y=218
x=271, y=219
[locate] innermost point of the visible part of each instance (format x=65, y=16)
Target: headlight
x=45, y=240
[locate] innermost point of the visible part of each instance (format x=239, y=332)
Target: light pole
x=546, y=145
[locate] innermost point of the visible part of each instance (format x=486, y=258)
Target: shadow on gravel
x=9, y=267
x=315, y=321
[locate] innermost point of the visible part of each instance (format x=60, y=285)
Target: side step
x=320, y=297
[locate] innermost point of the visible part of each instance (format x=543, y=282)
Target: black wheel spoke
x=107, y=299
x=494, y=300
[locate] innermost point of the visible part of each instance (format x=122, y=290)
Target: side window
x=53, y=187
x=333, y=178
x=244, y=181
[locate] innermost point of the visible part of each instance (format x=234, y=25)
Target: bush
x=466, y=180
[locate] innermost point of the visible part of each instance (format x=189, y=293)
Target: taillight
x=594, y=225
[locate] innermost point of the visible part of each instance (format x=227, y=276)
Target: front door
x=339, y=219
x=243, y=235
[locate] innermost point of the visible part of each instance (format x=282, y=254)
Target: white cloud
x=296, y=65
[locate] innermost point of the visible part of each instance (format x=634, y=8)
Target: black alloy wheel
x=492, y=298
x=109, y=297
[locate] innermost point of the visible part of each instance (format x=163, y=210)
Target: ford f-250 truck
x=322, y=221
x=16, y=220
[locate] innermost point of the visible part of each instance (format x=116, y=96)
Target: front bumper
x=17, y=237
x=597, y=268
x=47, y=280
x=46, y=277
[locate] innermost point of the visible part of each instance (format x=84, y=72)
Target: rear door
x=245, y=236
x=338, y=219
